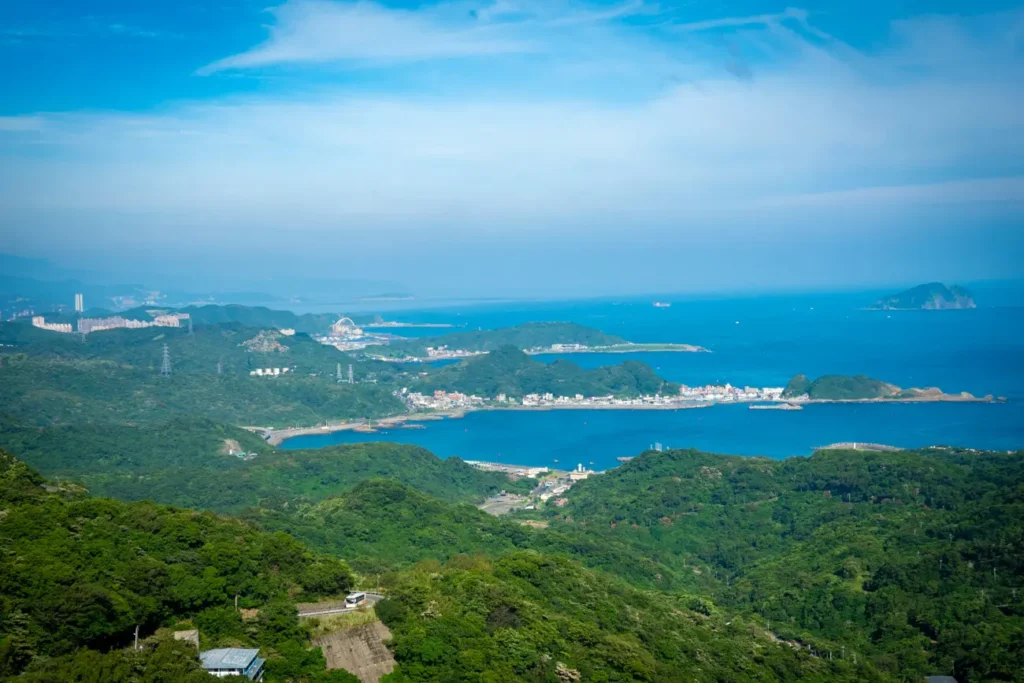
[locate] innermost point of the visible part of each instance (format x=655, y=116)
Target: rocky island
x=843, y=388
x=933, y=296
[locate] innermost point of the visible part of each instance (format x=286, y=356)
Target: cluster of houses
x=269, y=372
x=454, y=400
x=440, y=400
x=727, y=392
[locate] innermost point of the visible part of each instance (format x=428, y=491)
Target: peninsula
x=388, y=324
x=531, y=338
x=860, y=388
x=933, y=296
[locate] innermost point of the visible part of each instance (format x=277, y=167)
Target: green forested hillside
x=384, y=525
x=78, y=574
x=913, y=559
x=840, y=388
x=185, y=462
x=82, y=572
x=237, y=348
x=525, y=336
x=69, y=391
x=260, y=317
x=529, y=617
x=508, y=370
x=48, y=378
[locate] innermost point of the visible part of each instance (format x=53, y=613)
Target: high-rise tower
x=79, y=303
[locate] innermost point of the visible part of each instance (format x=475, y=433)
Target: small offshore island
x=933, y=296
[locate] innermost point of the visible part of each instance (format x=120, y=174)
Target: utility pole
x=165, y=367
x=136, y=636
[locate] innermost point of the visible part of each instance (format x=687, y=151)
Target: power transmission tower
x=220, y=367
x=338, y=373
x=165, y=367
x=351, y=377
x=190, y=325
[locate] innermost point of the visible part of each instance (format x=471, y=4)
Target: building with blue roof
x=233, y=661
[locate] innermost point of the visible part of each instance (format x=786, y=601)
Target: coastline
x=625, y=348
x=275, y=437
x=387, y=325
x=628, y=347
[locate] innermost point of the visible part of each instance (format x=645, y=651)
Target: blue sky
x=519, y=146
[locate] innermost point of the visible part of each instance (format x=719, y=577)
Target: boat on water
x=662, y=304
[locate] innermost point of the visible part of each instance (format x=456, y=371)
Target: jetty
x=859, y=446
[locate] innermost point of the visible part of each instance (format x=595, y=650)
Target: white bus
x=355, y=600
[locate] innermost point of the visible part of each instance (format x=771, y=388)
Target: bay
x=759, y=341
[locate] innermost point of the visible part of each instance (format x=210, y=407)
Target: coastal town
x=688, y=397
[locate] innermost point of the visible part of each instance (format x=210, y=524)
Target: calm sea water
x=761, y=342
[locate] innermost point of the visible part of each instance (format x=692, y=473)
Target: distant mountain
x=933, y=296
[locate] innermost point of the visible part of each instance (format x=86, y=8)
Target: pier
x=859, y=446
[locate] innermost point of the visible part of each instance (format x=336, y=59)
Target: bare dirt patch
x=359, y=650
x=230, y=447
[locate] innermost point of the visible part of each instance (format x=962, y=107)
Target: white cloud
x=323, y=31
x=363, y=32
x=735, y=22
x=816, y=130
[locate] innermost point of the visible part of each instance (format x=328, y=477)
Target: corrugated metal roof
x=227, y=658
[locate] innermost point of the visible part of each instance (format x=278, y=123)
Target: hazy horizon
x=515, y=147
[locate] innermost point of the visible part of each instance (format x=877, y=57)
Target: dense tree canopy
x=509, y=371
x=186, y=462
x=81, y=572
x=913, y=558
x=529, y=617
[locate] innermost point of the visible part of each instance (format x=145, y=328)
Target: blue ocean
x=757, y=341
